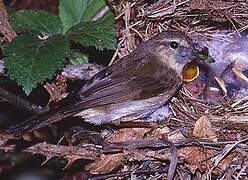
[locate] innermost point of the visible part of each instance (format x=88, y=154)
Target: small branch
x=20, y=102
x=50, y=150
x=89, y=152
x=2, y=68
x=125, y=174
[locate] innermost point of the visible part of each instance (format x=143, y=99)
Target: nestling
x=132, y=88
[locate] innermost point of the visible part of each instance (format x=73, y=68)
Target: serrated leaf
x=39, y=21
x=72, y=12
x=109, y=19
x=92, y=8
x=94, y=33
x=30, y=60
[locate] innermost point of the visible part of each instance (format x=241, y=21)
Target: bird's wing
x=148, y=79
x=110, y=86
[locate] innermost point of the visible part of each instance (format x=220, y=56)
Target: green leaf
x=72, y=12
x=94, y=33
x=79, y=58
x=41, y=21
x=109, y=19
x=93, y=7
x=30, y=60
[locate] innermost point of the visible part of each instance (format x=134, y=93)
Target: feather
x=132, y=78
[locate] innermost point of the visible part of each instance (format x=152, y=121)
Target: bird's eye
x=174, y=44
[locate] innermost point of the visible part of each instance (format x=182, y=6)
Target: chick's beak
x=190, y=72
x=203, y=56
x=239, y=74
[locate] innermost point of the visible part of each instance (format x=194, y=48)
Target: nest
x=227, y=120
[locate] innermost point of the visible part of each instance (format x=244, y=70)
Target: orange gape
x=190, y=72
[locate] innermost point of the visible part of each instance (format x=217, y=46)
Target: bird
x=227, y=77
x=131, y=88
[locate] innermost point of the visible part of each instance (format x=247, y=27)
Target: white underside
x=123, y=111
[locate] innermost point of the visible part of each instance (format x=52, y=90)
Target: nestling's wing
x=125, y=80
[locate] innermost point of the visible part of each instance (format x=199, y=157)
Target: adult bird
x=132, y=88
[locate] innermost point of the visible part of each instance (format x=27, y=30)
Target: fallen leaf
x=158, y=132
x=5, y=28
x=57, y=89
x=203, y=129
x=127, y=134
x=197, y=158
x=107, y=163
x=175, y=136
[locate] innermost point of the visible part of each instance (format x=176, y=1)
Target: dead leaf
x=5, y=28
x=197, y=158
x=57, y=89
x=107, y=163
x=175, y=136
x=68, y=152
x=225, y=163
x=127, y=134
x=158, y=132
x=203, y=129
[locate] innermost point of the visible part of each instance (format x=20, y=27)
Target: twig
x=125, y=174
x=173, y=160
x=241, y=172
x=225, y=151
x=20, y=102
x=51, y=150
x=2, y=68
x=116, y=52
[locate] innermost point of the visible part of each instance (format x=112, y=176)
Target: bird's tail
x=36, y=122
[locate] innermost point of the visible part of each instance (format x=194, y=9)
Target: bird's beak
x=191, y=70
x=221, y=84
x=203, y=56
x=239, y=74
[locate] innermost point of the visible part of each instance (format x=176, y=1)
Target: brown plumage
x=132, y=88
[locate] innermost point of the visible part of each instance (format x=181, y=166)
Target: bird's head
x=178, y=52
